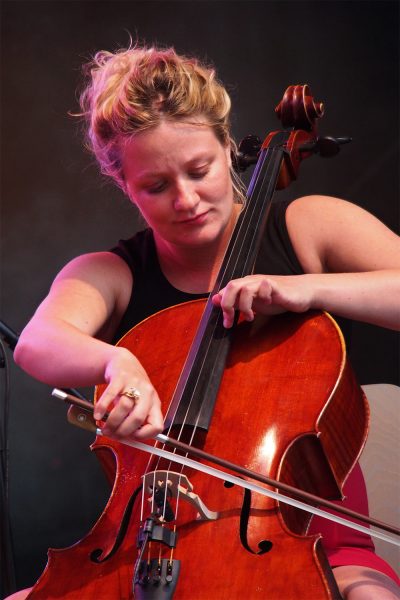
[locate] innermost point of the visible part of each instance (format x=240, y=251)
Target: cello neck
x=196, y=393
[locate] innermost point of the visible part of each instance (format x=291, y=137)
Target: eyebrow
x=200, y=160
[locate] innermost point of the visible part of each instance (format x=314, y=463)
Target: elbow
x=29, y=356
x=23, y=352
x=28, y=353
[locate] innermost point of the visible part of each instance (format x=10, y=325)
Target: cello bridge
x=176, y=485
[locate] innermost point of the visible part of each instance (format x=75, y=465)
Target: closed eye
x=157, y=188
x=198, y=174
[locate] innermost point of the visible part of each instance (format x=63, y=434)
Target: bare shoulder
x=333, y=235
x=102, y=271
x=97, y=267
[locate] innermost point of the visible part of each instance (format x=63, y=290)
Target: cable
x=7, y=584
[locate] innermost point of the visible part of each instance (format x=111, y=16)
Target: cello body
x=289, y=369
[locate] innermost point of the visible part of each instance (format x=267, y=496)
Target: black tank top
x=153, y=291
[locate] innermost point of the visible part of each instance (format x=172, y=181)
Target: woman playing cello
x=158, y=124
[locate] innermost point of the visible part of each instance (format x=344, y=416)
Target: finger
x=229, y=296
x=103, y=403
x=154, y=425
x=147, y=431
x=156, y=418
x=216, y=299
x=265, y=291
x=245, y=303
x=140, y=423
x=121, y=428
x=228, y=314
x=122, y=411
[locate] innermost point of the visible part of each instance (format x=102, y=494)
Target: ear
x=228, y=153
x=128, y=192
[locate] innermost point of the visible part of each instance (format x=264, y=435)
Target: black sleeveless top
x=153, y=291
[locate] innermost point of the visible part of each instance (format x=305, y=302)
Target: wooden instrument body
x=287, y=369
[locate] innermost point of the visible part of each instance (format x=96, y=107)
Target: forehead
x=168, y=144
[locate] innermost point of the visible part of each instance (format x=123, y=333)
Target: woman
x=158, y=124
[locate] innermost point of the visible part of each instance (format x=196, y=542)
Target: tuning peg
x=325, y=146
x=247, y=154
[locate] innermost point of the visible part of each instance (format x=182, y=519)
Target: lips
x=196, y=220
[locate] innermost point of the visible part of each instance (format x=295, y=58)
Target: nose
x=186, y=196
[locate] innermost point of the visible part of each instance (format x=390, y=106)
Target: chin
x=199, y=238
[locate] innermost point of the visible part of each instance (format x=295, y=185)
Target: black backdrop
x=55, y=205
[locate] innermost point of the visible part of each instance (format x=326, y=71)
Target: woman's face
x=178, y=176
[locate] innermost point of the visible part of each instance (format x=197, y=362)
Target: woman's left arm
x=351, y=262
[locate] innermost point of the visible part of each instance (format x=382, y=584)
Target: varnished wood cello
x=280, y=385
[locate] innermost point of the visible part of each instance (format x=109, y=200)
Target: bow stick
x=87, y=422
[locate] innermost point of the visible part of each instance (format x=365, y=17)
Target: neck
x=194, y=269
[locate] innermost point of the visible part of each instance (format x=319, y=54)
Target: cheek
x=140, y=206
x=224, y=187
x=221, y=183
x=153, y=212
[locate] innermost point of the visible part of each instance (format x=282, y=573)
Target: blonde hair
x=136, y=88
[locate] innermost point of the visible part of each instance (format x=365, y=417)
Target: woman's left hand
x=265, y=294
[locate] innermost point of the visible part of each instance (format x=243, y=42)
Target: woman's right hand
x=132, y=403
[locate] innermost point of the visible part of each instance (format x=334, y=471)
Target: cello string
x=241, y=238
x=248, y=206
x=142, y=502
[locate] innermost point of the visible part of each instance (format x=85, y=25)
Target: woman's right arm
x=66, y=343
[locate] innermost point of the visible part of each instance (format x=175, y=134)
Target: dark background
x=55, y=205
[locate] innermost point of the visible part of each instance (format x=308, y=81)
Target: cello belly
x=286, y=381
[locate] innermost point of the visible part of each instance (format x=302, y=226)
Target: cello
x=169, y=533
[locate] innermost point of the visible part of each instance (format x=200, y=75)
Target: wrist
x=117, y=358
x=316, y=291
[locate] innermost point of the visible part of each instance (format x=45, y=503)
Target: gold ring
x=132, y=393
